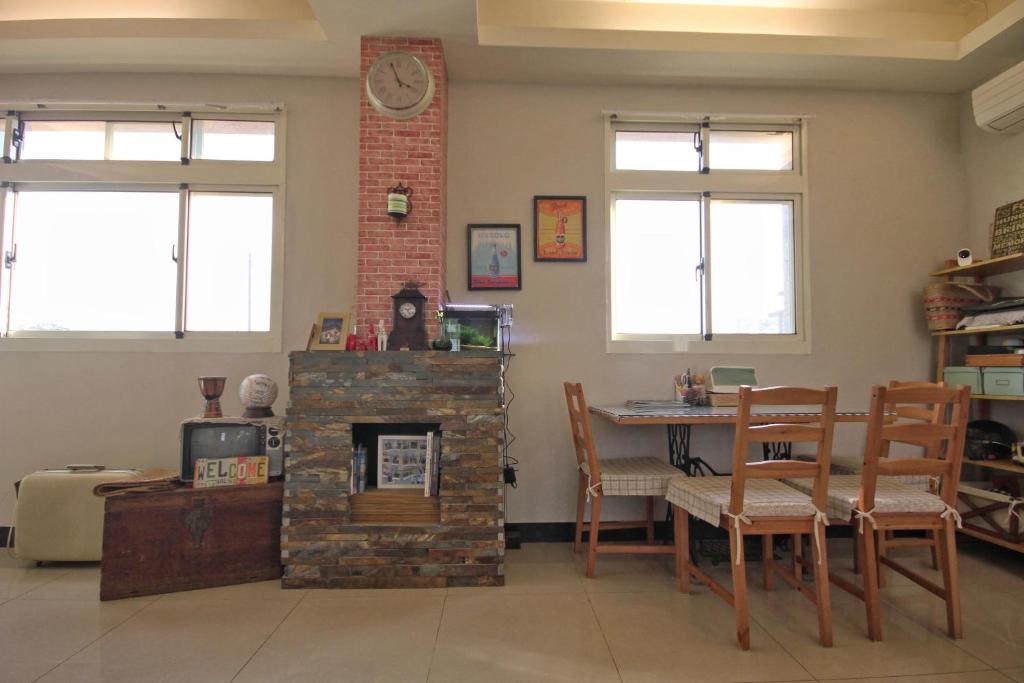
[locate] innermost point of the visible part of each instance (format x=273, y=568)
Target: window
x=705, y=235
x=123, y=226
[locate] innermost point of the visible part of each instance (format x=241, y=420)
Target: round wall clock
x=399, y=85
x=407, y=310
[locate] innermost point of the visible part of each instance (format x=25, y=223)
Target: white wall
x=995, y=176
x=124, y=409
x=886, y=205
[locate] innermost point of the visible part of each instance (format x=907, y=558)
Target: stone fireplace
x=335, y=538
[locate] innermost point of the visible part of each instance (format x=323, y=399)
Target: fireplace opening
x=396, y=473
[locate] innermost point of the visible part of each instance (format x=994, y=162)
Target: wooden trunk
x=191, y=538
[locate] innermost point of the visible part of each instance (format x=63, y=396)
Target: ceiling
x=916, y=45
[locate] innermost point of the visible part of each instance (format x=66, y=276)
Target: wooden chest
x=191, y=538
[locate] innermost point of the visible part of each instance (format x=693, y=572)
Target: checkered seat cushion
x=708, y=497
x=854, y=464
x=646, y=476
x=890, y=496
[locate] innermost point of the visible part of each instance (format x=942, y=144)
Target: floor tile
x=182, y=640
x=36, y=635
x=907, y=648
x=1016, y=674
x=388, y=637
x=257, y=590
x=503, y=637
x=17, y=578
x=993, y=620
x=628, y=574
x=677, y=637
x=540, y=552
x=533, y=578
x=966, y=677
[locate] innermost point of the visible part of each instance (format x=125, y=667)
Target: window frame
x=182, y=176
x=745, y=184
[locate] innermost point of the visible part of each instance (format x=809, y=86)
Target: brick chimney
x=412, y=152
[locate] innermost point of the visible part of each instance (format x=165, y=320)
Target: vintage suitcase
x=191, y=538
x=58, y=518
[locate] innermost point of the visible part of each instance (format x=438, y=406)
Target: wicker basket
x=944, y=302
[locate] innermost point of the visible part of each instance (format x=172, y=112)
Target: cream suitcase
x=58, y=517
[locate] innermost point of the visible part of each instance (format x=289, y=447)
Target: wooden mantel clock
x=409, y=329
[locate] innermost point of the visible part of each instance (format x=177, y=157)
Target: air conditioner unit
x=999, y=104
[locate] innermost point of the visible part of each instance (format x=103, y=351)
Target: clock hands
x=398, y=80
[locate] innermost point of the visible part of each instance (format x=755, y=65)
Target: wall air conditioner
x=999, y=104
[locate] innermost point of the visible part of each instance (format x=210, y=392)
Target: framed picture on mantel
x=494, y=256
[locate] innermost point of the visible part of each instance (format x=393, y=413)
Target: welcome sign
x=240, y=471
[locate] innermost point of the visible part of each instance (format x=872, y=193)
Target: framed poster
x=329, y=334
x=1008, y=229
x=560, y=229
x=401, y=462
x=493, y=256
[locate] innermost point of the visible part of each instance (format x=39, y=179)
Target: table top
x=699, y=415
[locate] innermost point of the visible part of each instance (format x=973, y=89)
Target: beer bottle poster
x=1008, y=230
x=560, y=228
x=494, y=256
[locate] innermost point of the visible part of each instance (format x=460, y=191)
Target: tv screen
x=218, y=441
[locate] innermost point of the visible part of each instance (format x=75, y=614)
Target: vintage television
x=229, y=437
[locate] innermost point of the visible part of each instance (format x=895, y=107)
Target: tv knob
x=274, y=442
x=274, y=431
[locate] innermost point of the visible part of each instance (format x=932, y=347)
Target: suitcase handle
x=85, y=468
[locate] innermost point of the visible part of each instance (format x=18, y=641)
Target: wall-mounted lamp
x=399, y=205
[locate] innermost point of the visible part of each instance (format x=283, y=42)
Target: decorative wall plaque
x=1008, y=229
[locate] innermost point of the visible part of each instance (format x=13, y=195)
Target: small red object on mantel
x=350, y=343
x=371, y=340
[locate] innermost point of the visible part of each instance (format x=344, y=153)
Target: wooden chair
x=645, y=476
x=876, y=502
x=753, y=502
x=854, y=464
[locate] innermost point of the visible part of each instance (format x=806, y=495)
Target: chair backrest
x=818, y=432
x=933, y=413
x=942, y=438
x=582, y=436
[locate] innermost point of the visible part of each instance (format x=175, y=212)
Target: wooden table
x=679, y=419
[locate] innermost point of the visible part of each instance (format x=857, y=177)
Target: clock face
x=407, y=310
x=399, y=85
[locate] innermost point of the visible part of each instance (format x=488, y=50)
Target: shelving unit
x=987, y=516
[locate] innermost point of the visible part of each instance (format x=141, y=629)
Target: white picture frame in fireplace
x=401, y=461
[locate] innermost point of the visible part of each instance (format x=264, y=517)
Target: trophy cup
x=211, y=388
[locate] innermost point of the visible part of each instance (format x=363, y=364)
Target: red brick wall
x=412, y=152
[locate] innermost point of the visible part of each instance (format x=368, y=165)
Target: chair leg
x=681, y=525
x=858, y=550
x=869, y=568
x=739, y=590
x=883, y=536
x=951, y=580
x=767, y=551
x=649, y=509
x=581, y=510
x=936, y=547
x=822, y=596
x=595, y=524
x=798, y=553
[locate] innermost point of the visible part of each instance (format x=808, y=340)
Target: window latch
x=698, y=271
x=11, y=257
x=174, y=253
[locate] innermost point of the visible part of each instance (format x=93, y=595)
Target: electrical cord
x=509, y=462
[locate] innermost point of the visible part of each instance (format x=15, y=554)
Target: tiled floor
x=548, y=624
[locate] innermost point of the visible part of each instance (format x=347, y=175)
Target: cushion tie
x=861, y=516
x=1012, y=510
x=740, y=517
x=951, y=511
x=821, y=517
x=591, y=488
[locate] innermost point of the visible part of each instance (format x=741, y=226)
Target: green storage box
x=955, y=376
x=1003, y=381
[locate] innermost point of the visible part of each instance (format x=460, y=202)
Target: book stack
x=357, y=481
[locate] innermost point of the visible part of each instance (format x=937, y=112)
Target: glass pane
x=656, y=248
x=230, y=239
x=752, y=150
x=144, y=141
x=752, y=261
x=655, y=151
x=233, y=140
x=96, y=261
x=64, y=140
